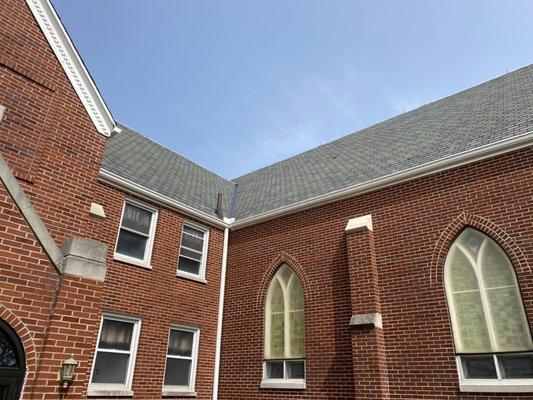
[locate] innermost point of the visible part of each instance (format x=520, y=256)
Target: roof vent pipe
x=218, y=209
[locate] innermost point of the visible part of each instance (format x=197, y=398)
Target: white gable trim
x=70, y=60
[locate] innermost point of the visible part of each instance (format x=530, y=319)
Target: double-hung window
x=492, y=338
x=115, y=354
x=193, y=251
x=136, y=234
x=182, y=357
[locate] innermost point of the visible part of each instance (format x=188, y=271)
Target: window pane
x=8, y=352
x=177, y=372
x=284, y=273
x=188, y=265
x=479, y=367
x=137, y=218
x=131, y=244
x=276, y=298
x=471, y=239
x=462, y=275
x=517, y=365
x=116, y=335
x=497, y=269
x=274, y=370
x=180, y=343
x=191, y=254
x=295, y=370
x=471, y=323
x=297, y=343
x=192, y=238
x=277, y=336
x=110, y=368
x=295, y=295
x=510, y=323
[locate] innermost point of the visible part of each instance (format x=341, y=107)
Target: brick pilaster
x=368, y=347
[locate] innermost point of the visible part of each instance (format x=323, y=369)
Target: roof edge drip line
x=131, y=187
x=443, y=164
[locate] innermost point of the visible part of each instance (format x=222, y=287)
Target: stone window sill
x=497, y=386
x=177, y=393
x=282, y=384
x=93, y=392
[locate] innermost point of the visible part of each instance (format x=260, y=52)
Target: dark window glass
x=110, y=368
x=191, y=254
x=295, y=370
x=177, y=372
x=192, y=238
x=180, y=343
x=131, y=244
x=137, y=218
x=274, y=370
x=8, y=354
x=517, y=365
x=188, y=265
x=116, y=335
x=479, y=367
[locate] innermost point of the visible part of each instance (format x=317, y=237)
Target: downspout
x=220, y=313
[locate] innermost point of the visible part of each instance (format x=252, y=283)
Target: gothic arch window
x=491, y=332
x=284, y=330
x=12, y=363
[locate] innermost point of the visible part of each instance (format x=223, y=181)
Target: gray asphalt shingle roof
x=139, y=159
x=487, y=113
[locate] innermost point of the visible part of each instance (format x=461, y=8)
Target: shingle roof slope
x=487, y=113
x=498, y=109
x=138, y=159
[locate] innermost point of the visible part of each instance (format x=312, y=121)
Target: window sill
x=177, y=393
x=497, y=386
x=283, y=384
x=191, y=277
x=131, y=261
x=108, y=392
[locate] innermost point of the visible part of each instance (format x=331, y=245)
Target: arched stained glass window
x=284, y=328
x=491, y=331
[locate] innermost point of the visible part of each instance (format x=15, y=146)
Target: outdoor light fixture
x=66, y=372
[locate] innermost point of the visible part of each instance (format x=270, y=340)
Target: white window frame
x=499, y=384
x=201, y=274
x=103, y=389
x=169, y=390
x=146, y=261
x=285, y=383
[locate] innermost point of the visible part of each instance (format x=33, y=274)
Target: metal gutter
x=220, y=314
x=131, y=187
x=446, y=163
x=443, y=164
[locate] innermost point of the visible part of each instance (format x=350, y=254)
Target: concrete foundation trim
x=85, y=258
x=359, y=224
x=30, y=215
x=373, y=319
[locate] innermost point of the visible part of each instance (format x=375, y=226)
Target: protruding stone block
x=373, y=319
x=359, y=224
x=85, y=258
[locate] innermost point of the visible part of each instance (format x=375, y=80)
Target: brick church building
x=393, y=263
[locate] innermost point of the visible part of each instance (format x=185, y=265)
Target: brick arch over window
x=462, y=221
x=292, y=262
x=27, y=343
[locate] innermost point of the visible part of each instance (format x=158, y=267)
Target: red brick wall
x=414, y=224
x=49, y=141
x=46, y=136
x=160, y=297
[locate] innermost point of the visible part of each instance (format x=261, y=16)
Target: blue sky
x=239, y=84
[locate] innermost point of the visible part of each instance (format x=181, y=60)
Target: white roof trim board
x=72, y=64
